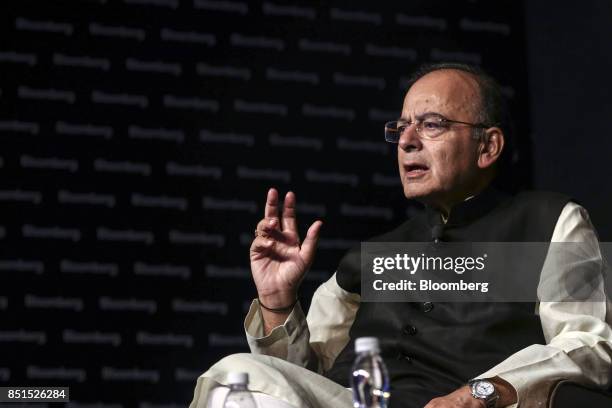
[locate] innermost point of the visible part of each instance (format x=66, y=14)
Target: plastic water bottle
x=239, y=395
x=369, y=379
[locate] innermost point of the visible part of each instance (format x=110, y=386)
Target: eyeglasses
x=429, y=127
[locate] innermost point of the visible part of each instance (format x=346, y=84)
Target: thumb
x=309, y=246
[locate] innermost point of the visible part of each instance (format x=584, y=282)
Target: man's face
x=440, y=171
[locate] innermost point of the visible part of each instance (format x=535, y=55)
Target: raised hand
x=278, y=260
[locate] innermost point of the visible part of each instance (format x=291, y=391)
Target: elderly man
x=449, y=142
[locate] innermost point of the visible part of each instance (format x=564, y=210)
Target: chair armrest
x=567, y=394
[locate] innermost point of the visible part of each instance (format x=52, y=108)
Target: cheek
x=442, y=163
x=459, y=161
x=450, y=164
x=400, y=159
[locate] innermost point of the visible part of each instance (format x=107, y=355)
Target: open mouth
x=415, y=170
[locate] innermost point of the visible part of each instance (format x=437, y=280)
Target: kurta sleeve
x=577, y=333
x=313, y=342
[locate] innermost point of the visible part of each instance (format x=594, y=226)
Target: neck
x=445, y=206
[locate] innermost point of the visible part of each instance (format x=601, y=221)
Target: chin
x=415, y=192
x=422, y=190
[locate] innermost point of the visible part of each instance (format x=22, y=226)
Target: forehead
x=452, y=93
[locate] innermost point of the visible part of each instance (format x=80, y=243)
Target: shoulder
x=574, y=225
x=545, y=205
x=541, y=198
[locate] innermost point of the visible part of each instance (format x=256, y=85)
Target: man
x=450, y=139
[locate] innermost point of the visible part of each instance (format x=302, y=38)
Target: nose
x=409, y=139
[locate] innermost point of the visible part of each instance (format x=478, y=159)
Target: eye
x=432, y=125
x=401, y=126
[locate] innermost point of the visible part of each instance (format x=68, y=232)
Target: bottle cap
x=366, y=344
x=237, y=378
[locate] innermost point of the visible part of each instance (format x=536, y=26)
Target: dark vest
x=432, y=349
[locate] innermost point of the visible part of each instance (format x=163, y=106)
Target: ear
x=491, y=147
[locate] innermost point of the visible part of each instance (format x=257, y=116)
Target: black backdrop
x=139, y=137
x=570, y=85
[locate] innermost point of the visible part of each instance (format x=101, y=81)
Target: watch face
x=483, y=388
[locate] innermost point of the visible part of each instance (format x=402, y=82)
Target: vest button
x=410, y=330
x=404, y=357
x=428, y=307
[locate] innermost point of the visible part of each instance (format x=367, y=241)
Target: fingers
x=281, y=228
x=268, y=227
x=289, y=221
x=261, y=245
x=271, y=210
x=267, y=224
x=309, y=246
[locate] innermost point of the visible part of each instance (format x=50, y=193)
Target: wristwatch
x=484, y=390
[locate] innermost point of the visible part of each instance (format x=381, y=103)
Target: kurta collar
x=468, y=210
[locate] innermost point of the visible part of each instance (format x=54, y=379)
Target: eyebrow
x=423, y=115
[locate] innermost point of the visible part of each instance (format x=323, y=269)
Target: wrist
x=281, y=300
x=507, y=393
x=277, y=315
x=504, y=393
x=485, y=391
x=278, y=310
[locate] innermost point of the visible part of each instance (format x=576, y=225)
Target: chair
x=566, y=394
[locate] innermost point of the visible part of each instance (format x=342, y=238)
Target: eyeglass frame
x=419, y=127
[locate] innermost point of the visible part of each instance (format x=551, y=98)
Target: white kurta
x=285, y=363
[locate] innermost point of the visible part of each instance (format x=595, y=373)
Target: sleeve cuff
x=254, y=327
